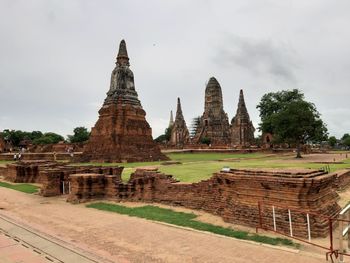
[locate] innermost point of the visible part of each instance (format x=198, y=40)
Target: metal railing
x=269, y=214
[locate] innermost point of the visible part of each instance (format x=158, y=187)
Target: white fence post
x=308, y=227
x=290, y=223
x=274, y=218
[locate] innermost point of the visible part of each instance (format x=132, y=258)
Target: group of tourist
x=17, y=156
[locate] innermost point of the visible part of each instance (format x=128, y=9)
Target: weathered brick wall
x=42, y=156
x=25, y=172
x=3, y=171
x=53, y=179
x=51, y=175
x=342, y=180
x=234, y=195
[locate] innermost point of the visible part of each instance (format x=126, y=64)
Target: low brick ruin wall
x=52, y=175
x=232, y=195
x=342, y=180
x=42, y=156
x=55, y=181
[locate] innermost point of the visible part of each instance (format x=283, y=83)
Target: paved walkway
x=20, y=244
x=13, y=251
x=121, y=238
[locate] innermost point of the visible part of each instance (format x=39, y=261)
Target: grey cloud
x=57, y=56
x=258, y=57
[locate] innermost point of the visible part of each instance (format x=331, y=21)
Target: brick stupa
x=242, y=129
x=180, y=135
x=213, y=124
x=122, y=133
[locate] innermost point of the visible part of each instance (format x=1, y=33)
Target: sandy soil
x=126, y=239
x=315, y=158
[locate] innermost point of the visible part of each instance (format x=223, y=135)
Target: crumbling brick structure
x=242, y=129
x=213, y=124
x=342, y=180
x=53, y=176
x=233, y=195
x=122, y=133
x=180, y=135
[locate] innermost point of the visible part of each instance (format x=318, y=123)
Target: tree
x=332, y=141
x=291, y=119
x=164, y=137
x=15, y=136
x=346, y=141
x=273, y=102
x=81, y=134
x=345, y=136
x=206, y=140
x=48, y=138
x=35, y=135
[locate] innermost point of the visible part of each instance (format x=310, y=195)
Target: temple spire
x=241, y=102
x=171, y=122
x=122, y=57
x=178, y=110
x=242, y=112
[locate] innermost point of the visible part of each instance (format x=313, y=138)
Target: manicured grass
x=125, y=165
x=186, y=220
x=3, y=163
x=195, y=167
x=202, y=157
x=196, y=171
x=25, y=188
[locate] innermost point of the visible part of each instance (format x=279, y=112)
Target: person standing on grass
x=15, y=157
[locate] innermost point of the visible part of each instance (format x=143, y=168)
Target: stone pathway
x=12, y=251
x=20, y=244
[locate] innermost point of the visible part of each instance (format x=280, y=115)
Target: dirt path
x=125, y=239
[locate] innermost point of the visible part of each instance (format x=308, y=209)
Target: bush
x=206, y=140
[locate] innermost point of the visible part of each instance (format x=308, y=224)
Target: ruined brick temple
x=122, y=133
x=242, y=129
x=213, y=126
x=214, y=123
x=179, y=132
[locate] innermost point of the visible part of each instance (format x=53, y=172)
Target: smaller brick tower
x=242, y=129
x=179, y=132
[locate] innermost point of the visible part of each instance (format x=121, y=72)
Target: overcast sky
x=56, y=57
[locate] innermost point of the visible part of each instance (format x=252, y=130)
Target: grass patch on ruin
x=3, y=163
x=186, y=220
x=25, y=188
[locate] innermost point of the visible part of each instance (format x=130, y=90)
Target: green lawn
x=186, y=220
x=3, y=163
x=202, y=157
x=195, y=167
x=25, y=188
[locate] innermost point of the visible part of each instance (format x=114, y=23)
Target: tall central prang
x=122, y=133
x=213, y=124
